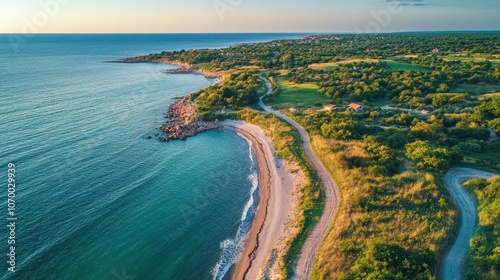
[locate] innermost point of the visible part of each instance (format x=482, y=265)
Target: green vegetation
x=301, y=96
x=288, y=145
x=238, y=90
x=465, y=57
x=379, y=103
x=331, y=65
x=389, y=226
x=398, y=66
x=395, y=220
x=477, y=89
x=484, y=255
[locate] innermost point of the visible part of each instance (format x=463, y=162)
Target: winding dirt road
x=454, y=261
x=313, y=242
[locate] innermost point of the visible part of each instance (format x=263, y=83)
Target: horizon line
x=253, y=32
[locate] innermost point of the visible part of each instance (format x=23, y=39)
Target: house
x=329, y=107
x=352, y=80
x=436, y=50
x=355, y=107
x=293, y=110
x=360, y=69
x=233, y=54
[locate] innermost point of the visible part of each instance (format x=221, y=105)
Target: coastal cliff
x=184, y=121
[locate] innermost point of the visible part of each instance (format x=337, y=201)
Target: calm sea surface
x=95, y=198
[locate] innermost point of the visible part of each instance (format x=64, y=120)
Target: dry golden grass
x=492, y=94
x=409, y=209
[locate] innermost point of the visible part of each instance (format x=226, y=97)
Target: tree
x=424, y=130
x=439, y=99
x=443, y=88
x=391, y=261
x=341, y=130
x=495, y=125
x=429, y=158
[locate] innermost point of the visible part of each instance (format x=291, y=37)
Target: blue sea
x=95, y=198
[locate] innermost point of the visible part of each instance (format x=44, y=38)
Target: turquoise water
x=97, y=199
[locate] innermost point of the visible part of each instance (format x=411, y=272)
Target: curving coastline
x=254, y=236
x=271, y=226
x=276, y=208
x=184, y=121
x=184, y=68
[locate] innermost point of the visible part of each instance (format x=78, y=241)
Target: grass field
x=492, y=94
x=397, y=66
x=301, y=96
x=330, y=65
x=393, y=65
x=494, y=61
x=476, y=89
x=379, y=103
x=409, y=210
x=488, y=161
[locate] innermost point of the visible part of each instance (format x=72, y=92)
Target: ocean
x=94, y=197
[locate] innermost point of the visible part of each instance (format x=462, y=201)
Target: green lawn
x=331, y=65
x=379, y=103
x=493, y=61
x=397, y=66
x=476, y=89
x=492, y=157
x=393, y=65
x=487, y=160
x=300, y=96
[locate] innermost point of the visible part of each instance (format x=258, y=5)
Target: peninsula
x=386, y=115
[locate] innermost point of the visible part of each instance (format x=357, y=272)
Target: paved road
x=454, y=261
x=313, y=242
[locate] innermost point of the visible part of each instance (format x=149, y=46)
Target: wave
x=254, y=178
x=232, y=249
x=250, y=149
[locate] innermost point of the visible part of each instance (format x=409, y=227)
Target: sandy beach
x=275, y=212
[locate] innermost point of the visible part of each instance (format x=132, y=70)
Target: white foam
x=254, y=178
x=232, y=249
x=250, y=145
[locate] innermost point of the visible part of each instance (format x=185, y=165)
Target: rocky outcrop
x=184, y=68
x=184, y=121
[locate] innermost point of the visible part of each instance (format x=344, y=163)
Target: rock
x=184, y=121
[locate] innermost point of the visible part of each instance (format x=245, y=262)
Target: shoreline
x=184, y=68
x=184, y=121
x=272, y=225
x=242, y=267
